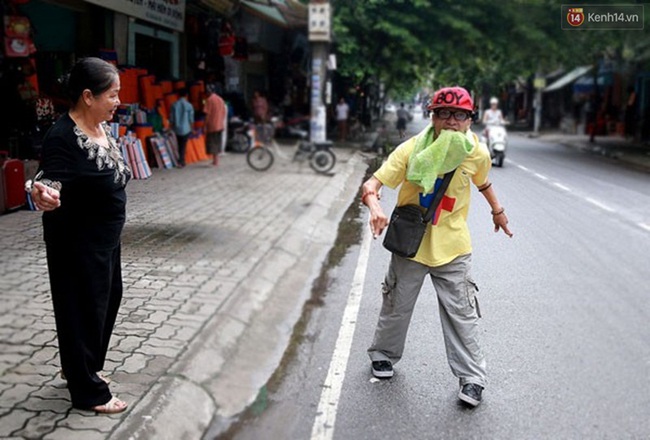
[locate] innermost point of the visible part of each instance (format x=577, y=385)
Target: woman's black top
x=93, y=196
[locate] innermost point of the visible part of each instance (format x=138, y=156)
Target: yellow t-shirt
x=447, y=236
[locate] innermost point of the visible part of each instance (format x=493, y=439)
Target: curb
x=233, y=356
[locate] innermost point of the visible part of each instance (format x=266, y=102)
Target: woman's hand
x=44, y=197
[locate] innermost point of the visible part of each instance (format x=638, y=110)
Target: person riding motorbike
x=493, y=115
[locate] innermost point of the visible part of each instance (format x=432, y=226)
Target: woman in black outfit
x=81, y=188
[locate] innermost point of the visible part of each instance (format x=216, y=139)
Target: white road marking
x=323, y=428
x=599, y=204
x=645, y=226
x=562, y=187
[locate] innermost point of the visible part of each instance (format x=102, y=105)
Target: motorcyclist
x=494, y=131
x=493, y=115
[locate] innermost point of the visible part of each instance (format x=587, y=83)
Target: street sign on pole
x=319, y=36
x=319, y=21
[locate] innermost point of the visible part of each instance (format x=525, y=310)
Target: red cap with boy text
x=455, y=97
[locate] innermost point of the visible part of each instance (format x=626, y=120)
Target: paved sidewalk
x=634, y=154
x=217, y=264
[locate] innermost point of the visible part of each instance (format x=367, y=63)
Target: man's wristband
x=366, y=194
x=485, y=187
x=499, y=212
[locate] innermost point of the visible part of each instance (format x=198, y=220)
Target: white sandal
x=113, y=406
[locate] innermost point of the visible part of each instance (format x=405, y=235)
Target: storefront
x=159, y=46
x=45, y=37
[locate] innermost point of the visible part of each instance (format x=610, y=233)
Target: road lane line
x=562, y=187
x=521, y=167
x=645, y=226
x=599, y=204
x=323, y=428
x=541, y=176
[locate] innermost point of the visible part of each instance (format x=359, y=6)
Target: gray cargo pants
x=458, y=307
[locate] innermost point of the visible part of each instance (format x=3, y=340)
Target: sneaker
x=471, y=394
x=382, y=369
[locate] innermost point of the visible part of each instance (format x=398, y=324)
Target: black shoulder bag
x=408, y=224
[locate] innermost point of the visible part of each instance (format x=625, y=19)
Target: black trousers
x=86, y=286
x=182, y=147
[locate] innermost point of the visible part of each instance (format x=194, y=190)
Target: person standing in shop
x=181, y=118
x=260, y=107
x=215, y=111
x=80, y=187
x=342, y=116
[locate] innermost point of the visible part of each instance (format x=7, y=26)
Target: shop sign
x=167, y=13
x=539, y=83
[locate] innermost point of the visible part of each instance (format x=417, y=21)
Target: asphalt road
x=565, y=321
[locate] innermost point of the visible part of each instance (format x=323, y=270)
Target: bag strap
x=439, y=195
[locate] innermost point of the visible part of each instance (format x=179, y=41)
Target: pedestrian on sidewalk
x=181, y=118
x=630, y=113
x=215, y=111
x=81, y=189
x=342, y=116
x=445, y=253
x=403, y=116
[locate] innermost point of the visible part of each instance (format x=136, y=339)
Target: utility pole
x=539, y=83
x=319, y=36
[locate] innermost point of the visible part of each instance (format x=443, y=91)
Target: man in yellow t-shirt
x=417, y=167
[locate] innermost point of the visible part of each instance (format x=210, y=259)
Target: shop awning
x=223, y=7
x=265, y=12
x=585, y=84
x=568, y=78
x=295, y=13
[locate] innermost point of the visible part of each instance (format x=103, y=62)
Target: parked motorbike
x=239, y=139
x=496, y=138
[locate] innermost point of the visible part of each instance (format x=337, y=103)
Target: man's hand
x=378, y=221
x=501, y=222
x=371, y=195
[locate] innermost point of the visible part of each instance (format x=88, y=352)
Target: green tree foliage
x=406, y=43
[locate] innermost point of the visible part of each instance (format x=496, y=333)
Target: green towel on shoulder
x=432, y=157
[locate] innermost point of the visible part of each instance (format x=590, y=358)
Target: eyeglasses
x=446, y=114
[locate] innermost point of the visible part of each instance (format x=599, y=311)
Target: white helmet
x=494, y=100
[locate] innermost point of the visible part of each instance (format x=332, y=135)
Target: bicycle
x=262, y=155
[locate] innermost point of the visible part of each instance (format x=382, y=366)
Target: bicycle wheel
x=259, y=158
x=322, y=161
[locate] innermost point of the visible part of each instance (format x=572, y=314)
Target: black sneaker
x=471, y=394
x=382, y=369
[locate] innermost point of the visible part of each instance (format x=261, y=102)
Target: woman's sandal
x=113, y=406
x=104, y=378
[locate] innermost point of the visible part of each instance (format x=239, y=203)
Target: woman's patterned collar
x=110, y=158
